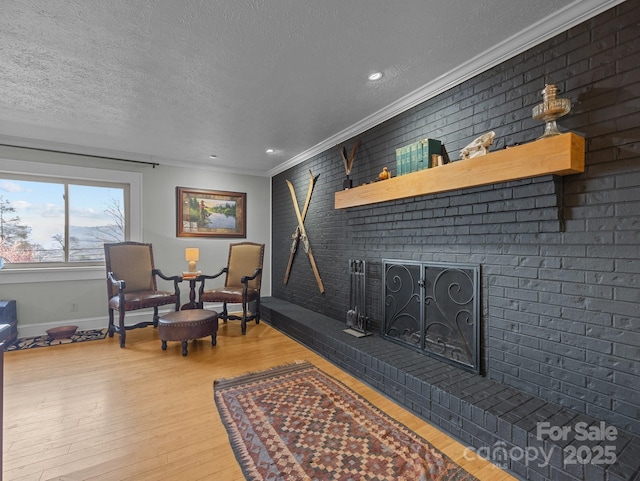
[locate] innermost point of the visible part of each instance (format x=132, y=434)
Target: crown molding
x=569, y=16
x=62, y=149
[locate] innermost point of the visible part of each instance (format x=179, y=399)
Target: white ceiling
x=173, y=81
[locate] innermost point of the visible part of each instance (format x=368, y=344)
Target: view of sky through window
x=96, y=215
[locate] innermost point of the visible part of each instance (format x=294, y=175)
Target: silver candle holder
x=550, y=110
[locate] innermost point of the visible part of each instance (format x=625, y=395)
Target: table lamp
x=192, y=255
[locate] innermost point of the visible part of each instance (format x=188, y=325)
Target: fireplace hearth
x=433, y=308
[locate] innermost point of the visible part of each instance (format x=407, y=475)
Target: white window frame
x=73, y=173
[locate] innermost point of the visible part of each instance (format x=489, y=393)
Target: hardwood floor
x=93, y=411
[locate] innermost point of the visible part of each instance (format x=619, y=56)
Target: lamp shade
x=192, y=254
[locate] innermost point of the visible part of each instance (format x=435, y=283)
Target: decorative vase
x=550, y=109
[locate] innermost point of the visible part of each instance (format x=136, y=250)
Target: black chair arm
x=119, y=283
x=166, y=278
x=245, y=283
x=206, y=276
x=201, y=278
x=246, y=279
x=176, y=280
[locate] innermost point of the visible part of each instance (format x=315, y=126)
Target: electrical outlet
x=74, y=307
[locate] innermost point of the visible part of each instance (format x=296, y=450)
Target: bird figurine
x=385, y=174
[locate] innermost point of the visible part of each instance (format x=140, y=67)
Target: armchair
x=132, y=285
x=242, y=283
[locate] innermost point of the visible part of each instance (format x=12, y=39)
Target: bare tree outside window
x=90, y=226
x=14, y=236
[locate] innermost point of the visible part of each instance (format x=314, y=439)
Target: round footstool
x=188, y=325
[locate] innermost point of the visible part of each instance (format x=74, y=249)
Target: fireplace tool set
x=356, y=315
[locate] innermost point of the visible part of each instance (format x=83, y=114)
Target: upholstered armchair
x=132, y=285
x=242, y=283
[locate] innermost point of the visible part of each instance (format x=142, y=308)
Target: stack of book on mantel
x=417, y=156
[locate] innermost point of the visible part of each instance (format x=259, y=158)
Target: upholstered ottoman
x=187, y=325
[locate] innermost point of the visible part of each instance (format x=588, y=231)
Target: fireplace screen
x=433, y=308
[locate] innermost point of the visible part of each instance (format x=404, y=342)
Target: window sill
x=51, y=274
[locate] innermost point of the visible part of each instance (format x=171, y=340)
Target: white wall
x=42, y=305
x=159, y=187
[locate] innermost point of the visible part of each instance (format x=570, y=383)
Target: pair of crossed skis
x=300, y=233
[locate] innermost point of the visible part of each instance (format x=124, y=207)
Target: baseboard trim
x=101, y=322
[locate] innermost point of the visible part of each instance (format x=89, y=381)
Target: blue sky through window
x=40, y=205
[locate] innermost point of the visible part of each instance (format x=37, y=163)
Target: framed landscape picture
x=210, y=213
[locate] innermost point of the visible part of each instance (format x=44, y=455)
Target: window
x=54, y=221
x=71, y=223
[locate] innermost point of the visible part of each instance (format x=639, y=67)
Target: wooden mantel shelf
x=560, y=155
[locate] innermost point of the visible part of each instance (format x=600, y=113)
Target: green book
x=406, y=160
x=413, y=157
x=399, y=161
x=423, y=162
x=428, y=148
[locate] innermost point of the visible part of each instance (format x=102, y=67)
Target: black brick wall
x=560, y=285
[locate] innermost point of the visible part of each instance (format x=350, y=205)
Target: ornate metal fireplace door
x=434, y=308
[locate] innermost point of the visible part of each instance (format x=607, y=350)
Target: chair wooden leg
x=224, y=314
x=111, y=327
x=121, y=329
x=155, y=316
x=244, y=317
x=257, y=311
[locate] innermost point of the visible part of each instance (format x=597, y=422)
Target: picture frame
x=210, y=213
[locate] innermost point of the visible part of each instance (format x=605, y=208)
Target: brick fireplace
x=559, y=291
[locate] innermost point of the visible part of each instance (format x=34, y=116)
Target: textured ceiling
x=173, y=81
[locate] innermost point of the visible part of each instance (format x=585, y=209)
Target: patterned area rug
x=43, y=341
x=295, y=422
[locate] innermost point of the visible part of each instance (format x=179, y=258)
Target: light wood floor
x=93, y=411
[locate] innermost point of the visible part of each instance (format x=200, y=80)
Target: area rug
x=43, y=341
x=295, y=422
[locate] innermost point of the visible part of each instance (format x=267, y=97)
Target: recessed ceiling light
x=375, y=76
x=213, y=156
x=270, y=151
